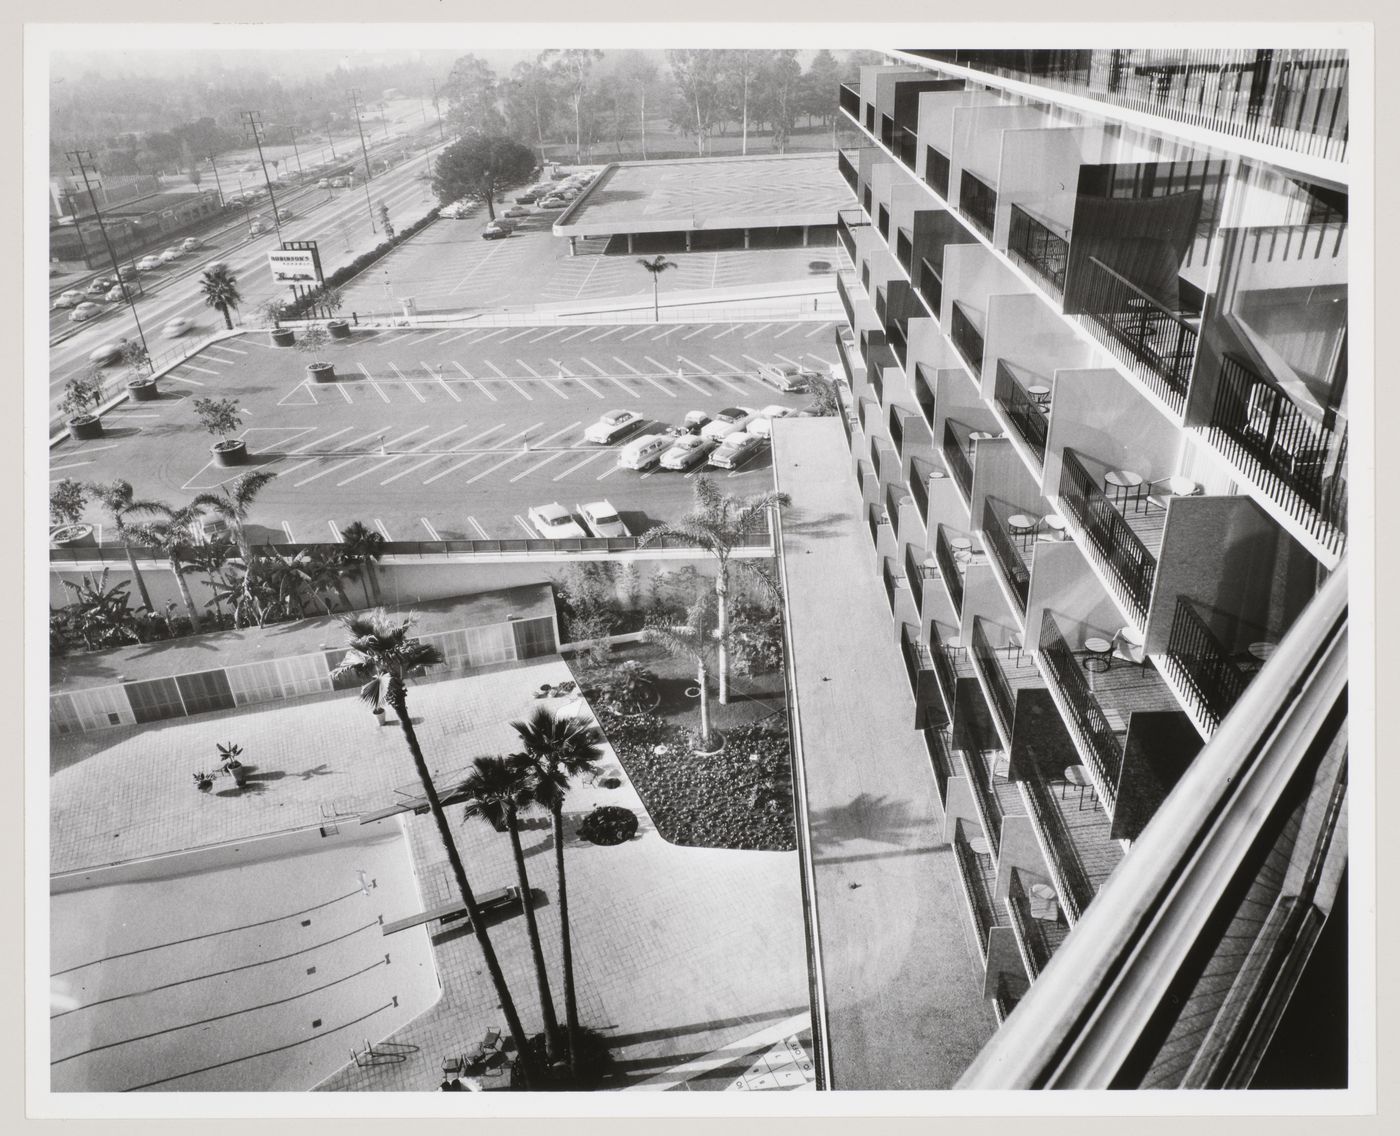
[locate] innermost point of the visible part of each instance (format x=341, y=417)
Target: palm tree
x=289, y=579
x=363, y=546
x=381, y=650
x=233, y=503
x=210, y=559
x=656, y=267
x=695, y=643
x=561, y=748
x=121, y=503
x=498, y=788
x=220, y=289
x=719, y=524
x=173, y=537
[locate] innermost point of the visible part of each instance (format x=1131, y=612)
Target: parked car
x=553, y=201
x=613, y=425
x=169, y=254
x=84, y=311
x=644, y=452
x=189, y=244
x=602, y=518
x=762, y=423
x=100, y=286
x=735, y=450
x=69, y=299
x=517, y=211
x=108, y=353
x=687, y=451
x=494, y=232
x=696, y=420
x=529, y=197
x=146, y=263
x=176, y=328
x=452, y=212
x=554, y=522
x=728, y=421
x=114, y=294
x=786, y=377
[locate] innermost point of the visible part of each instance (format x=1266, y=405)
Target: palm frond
x=249, y=486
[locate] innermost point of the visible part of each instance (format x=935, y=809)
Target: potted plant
x=229, y=763
x=273, y=309
x=203, y=781
x=314, y=337
x=330, y=301
x=141, y=385
x=66, y=500
x=82, y=395
x=220, y=417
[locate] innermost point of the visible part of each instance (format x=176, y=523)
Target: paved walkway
x=904, y=994
x=679, y=951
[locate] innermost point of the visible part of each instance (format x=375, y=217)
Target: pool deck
x=904, y=1003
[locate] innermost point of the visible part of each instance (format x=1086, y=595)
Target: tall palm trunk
x=702, y=680
x=722, y=591
x=551, y=1023
x=364, y=583
x=566, y=946
x=184, y=586
x=136, y=575
x=228, y=319
x=498, y=978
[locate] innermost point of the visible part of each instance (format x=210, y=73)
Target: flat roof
x=764, y=191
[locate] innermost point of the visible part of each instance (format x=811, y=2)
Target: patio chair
x=451, y=1066
x=492, y=1042
x=1159, y=492
x=1128, y=646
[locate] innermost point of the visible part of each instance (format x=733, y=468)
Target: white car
x=728, y=421
x=169, y=255
x=686, y=451
x=108, y=353
x=602, y=518
x=735, y=450
x=146, y=263
x=84, y=312
x=554, y=522
x=70, y=299
x=517, y=211
x=189, y=244
x=786, y=377
x=613, y=425
x=762, y=423
x=176, y=328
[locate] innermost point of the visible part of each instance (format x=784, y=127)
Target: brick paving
x=658, y=929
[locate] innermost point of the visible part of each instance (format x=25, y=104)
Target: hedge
x=348, y=272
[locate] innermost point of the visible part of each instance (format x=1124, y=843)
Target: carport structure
x=705, y=204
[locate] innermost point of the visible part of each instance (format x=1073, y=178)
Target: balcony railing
x=844, y=295
x=968, y=340
x=849, y=101
x=939, y=760
x=916, y=657
x=848, y=220
x=904, y=251
x=887, y=575
x=887, y=132
x=931, y=288
x=936, y=172
x=957, y=459
x=1155, y=343
x=874, y=518
x=1131, y=567
x=923, y=394
x=1034, y=246
x=1074, y=887
x=979, y=901
x=894, y=494
x=948, y=569
x=918, y=489
x=1087, y=719
x=848, y=171
x=974, y=749
x=1035, y=948
x=1028, y=416
x=1201, y=666
x=943, y=668
x=883, y=216
x=1004, y=550
x=898, y=341
x=978, y=203
x=1299, y=462
x=1002, y=697
x=906, y=145
x=915, y=574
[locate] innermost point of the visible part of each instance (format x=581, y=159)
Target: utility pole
x=355, y=105
x=331, y=140
x=77, y=225
x=254, y=128
x=441, y=136
x=293, y=132
x=217, y=182
x=77, y=157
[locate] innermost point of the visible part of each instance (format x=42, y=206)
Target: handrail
x=937, y=171
x=1082, y=1021
x=948, y=568
x=1075, y=890
x=956, y=459
x=968, y=340
x=1086, y=717
x=1013, y=567
x=1132, y=568
x=1025, y=413
x=1207, y=675
x=1034, y=245
x=977, y=201
x=1001, y=697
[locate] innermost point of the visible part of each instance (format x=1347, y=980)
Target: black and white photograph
x=682, y=560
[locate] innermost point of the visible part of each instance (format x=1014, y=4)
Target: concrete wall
x=1023, y=331
x=936, y=111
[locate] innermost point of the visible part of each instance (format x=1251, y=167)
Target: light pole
x=359, y=125
x=77, y=157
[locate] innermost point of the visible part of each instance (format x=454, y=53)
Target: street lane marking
x=697, y=331
x=580, y=465
x=529, y=370
x=539, y=465
x=432, y=532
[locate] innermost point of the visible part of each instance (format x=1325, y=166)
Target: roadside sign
x=296, y=263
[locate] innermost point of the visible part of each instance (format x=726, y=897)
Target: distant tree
x=641, y=81
x=531, y=99
x=656, y=267
x=739, y=71
x=384, y=220
x=818, y=96
x=780, y=77
x=697, y=76
x=219, y=287
x=272, y=309
x=219, y=416
x=574, y=68
x=483, y=165
x=472, y=94
x=82, y=394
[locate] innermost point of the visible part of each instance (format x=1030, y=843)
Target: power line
x=255, y=128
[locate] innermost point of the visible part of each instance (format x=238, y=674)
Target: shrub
x=313, y=338
x=608, y=825
x=82, y=394
x=66, y=500
x=219, y=416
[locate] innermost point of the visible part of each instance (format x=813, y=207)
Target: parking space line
x=546, y=335
x=723, y=363
x=693, y=365
x=477, y=525
x=182, y=379
x=412, y=389
x=344, y=393
x=521, y=390
x=579, y=465
x=790, y=328
x=754, y=361
x=729, y=330
x=629, y=366
x=70, y=465
x=432, y=532
x=320, y=441
x=817, y=330
x=663, y=389
x=519, y=520
x=539, y=465
x=670, y=330
x=584, y=384
x=518, y=334
x=693, y=385
x=606, y=332
x=437, y=378
x=495, y=368
x=482, y=387
x=529, y=370
x=490, y=335
x=431, y=441
x=758, y=331
x=201, y=370
x=335, y=532
x=785, y=359
x=356, y=441
x=478, y=457
x=697, y=331
x=594, y=365
x=555, y=389
x=476, y=437
x=576, y=334
x=396, y=338
x=490, y=469
x=823, y=361
x=459, y=335
x=433, y=335
x=608, y=472
x=630, y=392
x=380, y=526
x=370, y=469
x=226, y=347
x=634, y=335
x=328, y=469
x=372, y=383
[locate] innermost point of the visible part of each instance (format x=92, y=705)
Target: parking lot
x=448, y=434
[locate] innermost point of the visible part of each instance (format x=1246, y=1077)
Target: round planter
x=283, y=337
x=205, y=785
x=239, y=773
x=70, y=536
x=230, y=453
x=143, y=390
x=339, y=329
x=646, y=706
x=717, y=739
x=321, y=372
x=85, y=428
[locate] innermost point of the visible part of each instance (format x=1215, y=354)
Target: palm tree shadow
x=881, y=819
x=802, y=522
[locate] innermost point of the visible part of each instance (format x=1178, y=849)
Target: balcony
x=843, y=293
x=849, y=102
x=883, y=216
x=898, y=341
x=1007, y=550
x=978, y=203
x=1067, y=832
x=916, y=573
x=875, y=518
x=1092, y=731
x=906, y=147
x=904, y=252
x=1028, y=413
x=1038, y=249
x=958, y=459
x=1131, y=568
x=918, y=663
x=939, y=760
x=1211, y=678
x=950, y=663
x=848, y=220
x=887, y=132
x=977, y=873
x=931, y=289
x=1158, y=345
x=1003, y=669
x=923, y=394
x=936, y=172
x=843, y=352
x=895, y=495
x=949, y=568
x=890, y=580
x=1295, y=459
x=968, y=340
x=1038, y=934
